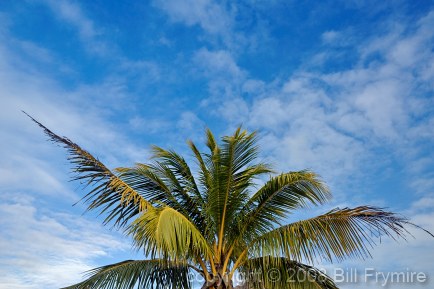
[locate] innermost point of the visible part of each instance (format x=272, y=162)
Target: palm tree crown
x=214, y=224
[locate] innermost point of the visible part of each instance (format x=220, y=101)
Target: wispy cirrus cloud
x=71, y=13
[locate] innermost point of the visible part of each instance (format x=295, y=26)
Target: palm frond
x=204, y=174
x=168, y=191
x=143, y=179
x=174, y=170
x=214, y=184
x=336, y=235
x=181, y=171
x=232, y=172
x=109, y=192
x=158, y=274
x=241, y=173
x=165, y=231
x=277, y=198
x=276, y=273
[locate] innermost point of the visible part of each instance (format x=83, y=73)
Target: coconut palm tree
x=215, y=222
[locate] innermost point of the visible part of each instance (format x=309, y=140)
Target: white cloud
x=236, y=111
x=47, y=250
x=218, y=63
x=330, y=37
x=218, y=20
x=301, y=134
x=149, y=125
x=384, y=119
x=209, y=15
x=422, y=204
x=227, y=81
x=71, y=13
x=190, y=122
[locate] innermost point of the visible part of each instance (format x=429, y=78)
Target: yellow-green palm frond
x=276, y=273
x=158, y=274
x=109, y=192
x=336, y=235
x=165, y=231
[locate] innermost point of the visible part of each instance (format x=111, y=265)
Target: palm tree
x=213, y=223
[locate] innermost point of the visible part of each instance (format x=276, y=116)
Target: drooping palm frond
x=276, y=273
x=165, y=231
x=109, y=192
x=158, y=274
x=336, y=235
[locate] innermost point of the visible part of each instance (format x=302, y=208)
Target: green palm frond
x=174, y=170
x=232, y=171
x=180, y=174
x=165, y=231
x=109, y=192
x=276, y=199
x=204, y=174
x=167, y=189
x=336, y=235
x=158, y=274
x=143, y=180
x=276, y=273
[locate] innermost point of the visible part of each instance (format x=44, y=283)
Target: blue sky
x=344, y=88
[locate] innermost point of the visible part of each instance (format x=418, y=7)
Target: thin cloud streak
x=71, y=13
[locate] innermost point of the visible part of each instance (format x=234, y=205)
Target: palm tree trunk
x=218, y=282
